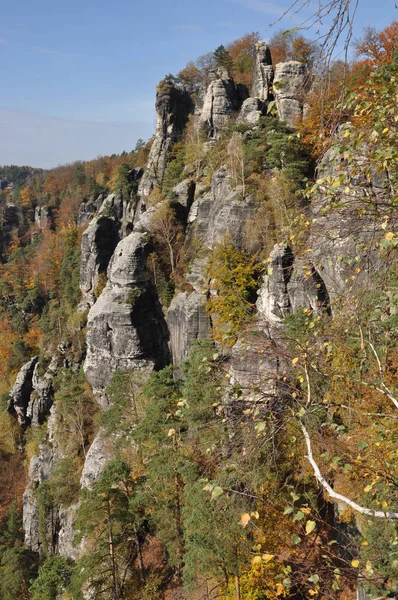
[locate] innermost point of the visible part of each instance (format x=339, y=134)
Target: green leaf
x=362, y=445
x=298, y=516
x=314, y=578
x=217, y=491
x=296, y=539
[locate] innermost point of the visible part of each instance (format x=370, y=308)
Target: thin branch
x=383, y=385
x=361, y=509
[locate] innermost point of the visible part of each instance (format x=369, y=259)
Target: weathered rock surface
x=98, y=455
x=88, y=209
x=288, y=286
x=173, y=107
x=42, y=395
x=19, y=398
x=187, y=320
x=289, y=90
x=222, y=99
x=345, y=241
x=263, y=73
x=99, y=241
x=219, y=214
x=251, y=111
x=40, y=469
x=126, y=328
x=67, y=533
x=43, y=217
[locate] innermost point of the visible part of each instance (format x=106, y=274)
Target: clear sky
x=78, y=77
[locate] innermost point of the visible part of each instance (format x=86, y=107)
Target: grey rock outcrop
x=42, y=396
x=126, y=328
x=288, y=286
x=19, y=398
x=32, y=396
x=222, y=99
x=263, y=73
x=99, y=241
x=88, y=209
x=187, y=320
x=251, y=111
x=220, y=213
x=40, y=469
x=98, y=455
x=43, y=217
x=289, y=90
x=173, y=107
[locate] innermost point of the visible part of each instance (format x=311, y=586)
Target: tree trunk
x=141, y=565
x=112, y=555
x=237, y=587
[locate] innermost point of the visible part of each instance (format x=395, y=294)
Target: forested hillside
x=199, y=342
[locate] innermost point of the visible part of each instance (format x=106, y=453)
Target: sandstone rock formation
x=187, y=321
x=126, y=328
x=43, y=217
x=99, y=454
x=289, y=90
x=263, y=73
x=173, y=107
x=220, y=213
x=222, y=99
x=288, y=286
x=99, y=241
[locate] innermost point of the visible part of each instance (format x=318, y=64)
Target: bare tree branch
x=380, y=514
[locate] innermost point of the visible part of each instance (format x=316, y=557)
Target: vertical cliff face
x=223, y=97
x=289, y=89
x=263, y=73
x=126, y=328
x=173, y=107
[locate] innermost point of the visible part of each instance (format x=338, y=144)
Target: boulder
x=251, y=111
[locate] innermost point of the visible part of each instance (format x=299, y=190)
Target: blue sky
x=78, y=77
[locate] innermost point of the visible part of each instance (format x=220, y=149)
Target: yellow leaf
x=244, y=520
x=365, y=543
x=347, y=134
x=310, y=526
x=368, y=488
x=256, y=560
x=171, y=432
x=384, y=504
x=389, y=236
x=279, y=589
x=267, y=557
x=313, y=592
x=294, y=360
x=355, y=563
